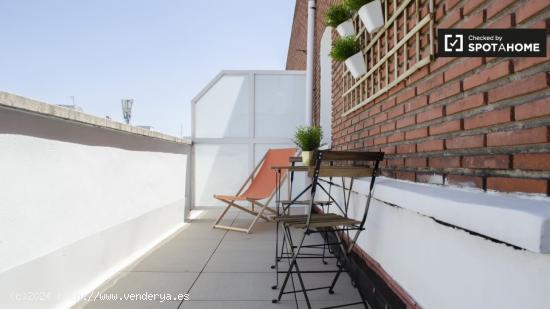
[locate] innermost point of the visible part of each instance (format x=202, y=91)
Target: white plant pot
x=356, y=65
x=346, y=28
x=371, y=15
x=306, y=157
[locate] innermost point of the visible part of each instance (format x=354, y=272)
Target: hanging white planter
x=356, y=65
x=346, y=28
x=371, y=15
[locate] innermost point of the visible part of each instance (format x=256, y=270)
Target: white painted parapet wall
x=448, y=248
x=518, y=220
x=80, y=198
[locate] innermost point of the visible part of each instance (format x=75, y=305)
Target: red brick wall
x=480, y=121
x=296, y=57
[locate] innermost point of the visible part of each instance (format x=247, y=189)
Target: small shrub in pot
x=348, y=50
x=339, y=16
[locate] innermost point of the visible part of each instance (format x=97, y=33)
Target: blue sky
x=159, y=52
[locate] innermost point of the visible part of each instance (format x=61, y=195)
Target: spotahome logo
x=454, y=42
x=491, y=42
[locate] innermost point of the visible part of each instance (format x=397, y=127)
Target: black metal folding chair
x=284, y=207
x=347, y=165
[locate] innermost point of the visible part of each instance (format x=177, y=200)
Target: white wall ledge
x=522, y=221
x=9, y=100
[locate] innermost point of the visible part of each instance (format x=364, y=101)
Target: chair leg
x=264, y=208
x=347, y=259
x=340, y=266
x=282, y=247
x=222, y=214
x=256, y=215
x=346, y=255
x=290, y=246
x=325, y=245
x=278, y=255
x=293, y=264
x=256, y=218
x=276, y=265
x=248, y=211
x=287, y=248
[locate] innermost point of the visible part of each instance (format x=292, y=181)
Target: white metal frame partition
x=252, y=141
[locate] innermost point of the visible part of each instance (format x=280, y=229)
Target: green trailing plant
x=355, y=5
x=308, y=138
x=337, y=14
x=345, y=47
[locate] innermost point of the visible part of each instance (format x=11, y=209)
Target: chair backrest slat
x=352, y=156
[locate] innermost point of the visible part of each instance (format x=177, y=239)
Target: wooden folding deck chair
x=260, y=185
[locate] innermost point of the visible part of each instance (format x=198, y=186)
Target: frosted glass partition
x=279, y=105
x=224, y=110
x=236, y=119
x=221, y=169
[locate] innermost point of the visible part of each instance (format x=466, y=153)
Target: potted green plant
x=308, y=139
x=347, y=50
x=370, y=13
x=339, y=16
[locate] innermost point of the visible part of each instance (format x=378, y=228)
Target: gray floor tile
x=129, y=305
x=244, y=220
x=257, y=286
x=253, y=256
x=257, y=234
x=236, y=256
x=263, y=231
x=343, y=291
x=152, y=282
x=200, y=230
x=139, y=283
x=310, y=264
x=235, y=269
x=212, y=213
x=177, y=257
x=192, y=241
x=233, y=286
x=238, y=245
x=258, y=305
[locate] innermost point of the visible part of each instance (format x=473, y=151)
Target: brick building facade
x=482, y=122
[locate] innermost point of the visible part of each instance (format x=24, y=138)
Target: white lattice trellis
x=404, y=45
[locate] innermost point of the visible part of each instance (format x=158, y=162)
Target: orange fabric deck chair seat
x=260, y=185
